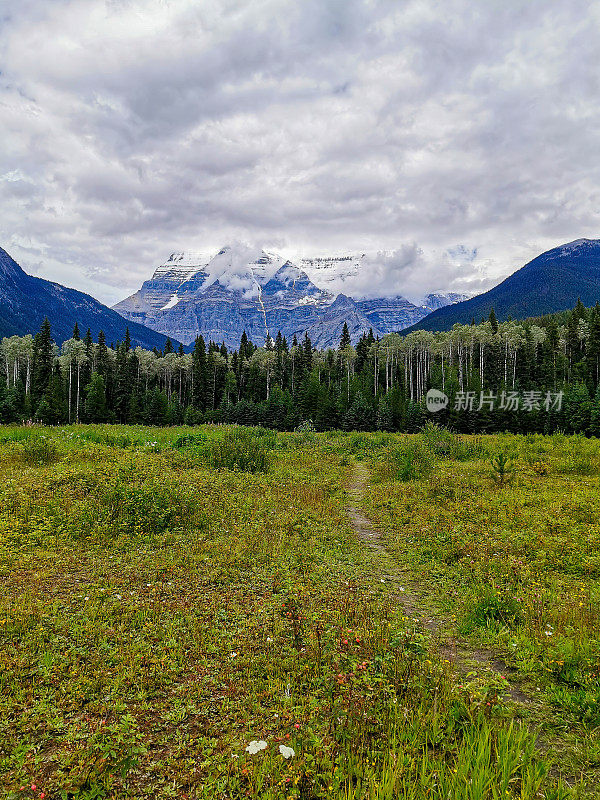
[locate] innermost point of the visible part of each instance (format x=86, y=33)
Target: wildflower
x=256, y=746
x=287, y=752
x=233, y=655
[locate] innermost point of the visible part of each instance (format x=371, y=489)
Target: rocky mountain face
x=25, y=301
x=241, y=289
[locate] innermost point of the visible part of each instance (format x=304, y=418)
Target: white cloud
x=131, y=129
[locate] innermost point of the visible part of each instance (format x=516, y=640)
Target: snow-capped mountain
x=241, y=288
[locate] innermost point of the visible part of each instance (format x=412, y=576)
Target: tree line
x=378, y=384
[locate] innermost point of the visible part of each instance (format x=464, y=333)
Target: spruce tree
x=42, y=361
x=102, y=357
x=95, y=402
x=595, y=414
x=55, y=399
x=200, y=374
x=307, y=347
x=345, y=338
x=122, y=385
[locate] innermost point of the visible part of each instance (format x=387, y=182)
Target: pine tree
x=102, y=362
x=55, y=399
x=95, y=403
x=168, y=348
x=200, y=374
x=307, y=347
x=122, y=385
x=493, y=321
x=244, y=354
x=359, y=416
x=76, y=335
x=134, y=408
x=595, y=414
x=345, y=338
x=42, y=361
x=127, y=340
x=593, y=351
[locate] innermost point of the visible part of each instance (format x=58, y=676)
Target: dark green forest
x=539, y=375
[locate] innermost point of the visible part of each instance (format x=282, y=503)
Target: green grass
x=159, y=611
x=514, y=567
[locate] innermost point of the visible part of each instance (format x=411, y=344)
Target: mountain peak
x=26, y=300
x=247, y=288
x=9, y=269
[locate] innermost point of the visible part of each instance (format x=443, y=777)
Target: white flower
x=269, y=639
x=287, y=752
x=233, y=655
x=256, y=746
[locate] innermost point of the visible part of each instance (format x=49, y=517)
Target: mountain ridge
x=26, y=300
x=552, y=281
x=248, y=289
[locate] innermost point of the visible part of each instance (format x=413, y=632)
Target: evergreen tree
x=307, y=348
x=200, y=374
x=345, y=338
x=359, y=416
x=102, y=362
x=95, y=402
x=493, y=321
x=122, y=384
x=55, y=399
x=42, y=361
x=595, y=414
x=76, y=335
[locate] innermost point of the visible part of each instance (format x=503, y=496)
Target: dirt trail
x=416, y=601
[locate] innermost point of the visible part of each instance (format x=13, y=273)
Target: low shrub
x=494, y=609
x=37, y=451
x=445, y=444
x=126, y=507
x=186, y=440
x=579, y=463
x=411, y=461
x=243, y=450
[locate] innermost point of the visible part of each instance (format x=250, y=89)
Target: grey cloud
x=429, y=131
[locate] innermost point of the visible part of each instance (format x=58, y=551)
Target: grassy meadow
x=191, y=613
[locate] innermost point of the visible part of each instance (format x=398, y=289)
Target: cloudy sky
x=460, y=136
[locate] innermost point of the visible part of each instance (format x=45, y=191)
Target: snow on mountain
x=440, y=299
x=239, y=288
x=333, y=273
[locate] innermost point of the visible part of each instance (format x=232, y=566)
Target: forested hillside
x=537, y=375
